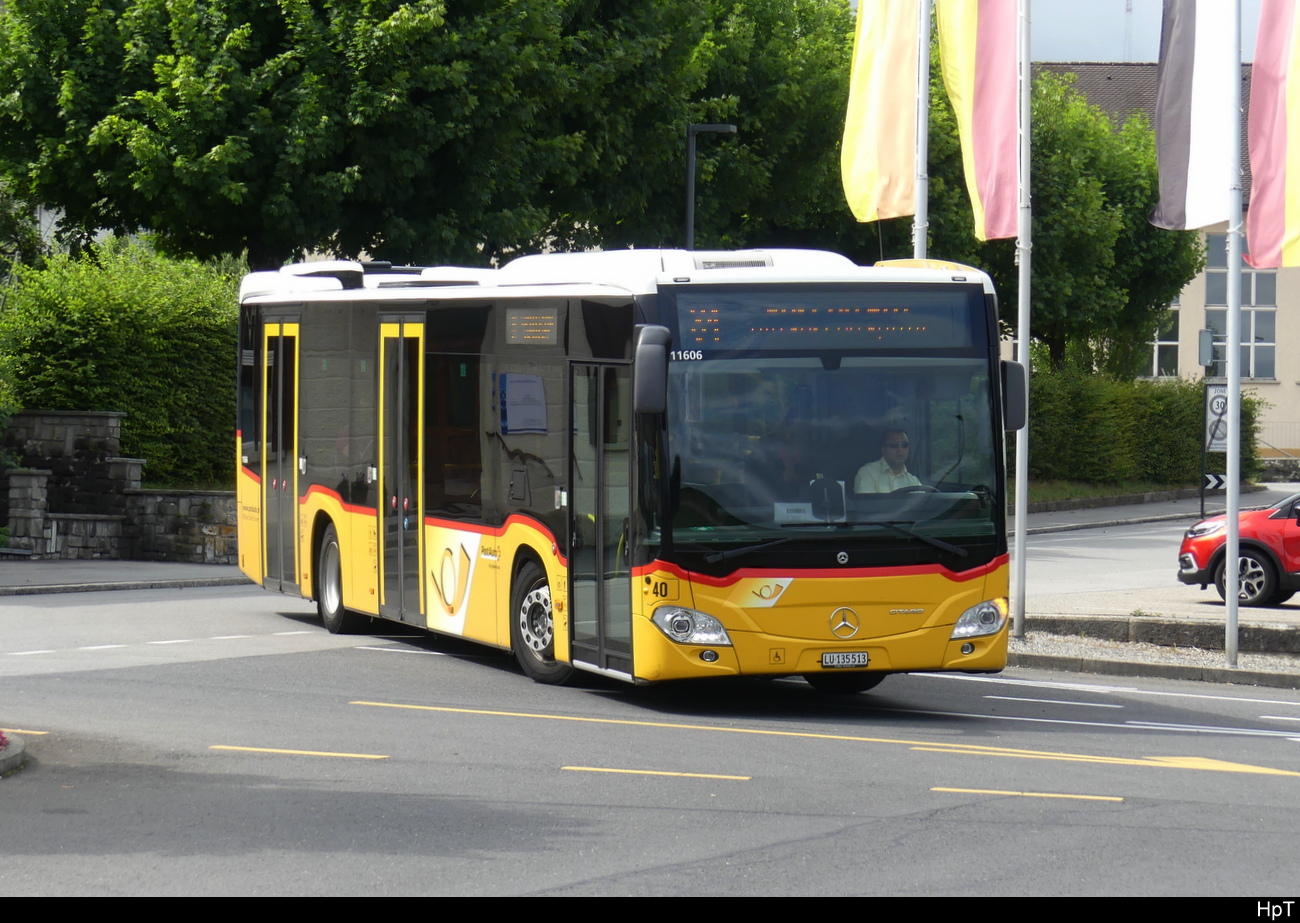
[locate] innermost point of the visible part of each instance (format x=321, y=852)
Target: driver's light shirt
x=876, y=478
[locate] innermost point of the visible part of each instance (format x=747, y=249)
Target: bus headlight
x=687, y=626
x=985, y=619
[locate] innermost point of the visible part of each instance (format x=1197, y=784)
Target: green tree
x=430, y=131
x=277, y=127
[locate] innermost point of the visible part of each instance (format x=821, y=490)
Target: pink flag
x=978, y=50
x=1273, y=221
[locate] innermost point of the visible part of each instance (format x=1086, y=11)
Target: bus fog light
x=709, y=656
x=968, y=648
x=987, y=618
x=687, y=626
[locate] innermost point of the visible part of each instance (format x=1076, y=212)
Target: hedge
x=1097, y=429
x=123, y=328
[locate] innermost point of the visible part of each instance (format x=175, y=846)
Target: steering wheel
x=916, y=489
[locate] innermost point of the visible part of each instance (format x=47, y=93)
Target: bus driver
x=889, y=472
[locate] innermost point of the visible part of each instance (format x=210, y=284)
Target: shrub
x=1097, y=429
x=123, y=328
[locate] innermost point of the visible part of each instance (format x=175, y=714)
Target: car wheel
x=1280, y=597
x=532, y=627
x=329, y=589
x=844, y=683
x=1258, y=582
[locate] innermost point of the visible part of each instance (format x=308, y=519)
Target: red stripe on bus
x=334, y=495
x=498, y=531
x=913, y=570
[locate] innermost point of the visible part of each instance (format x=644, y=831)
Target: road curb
x=13, y=756
x=1108, y=524
x=181, y=584
x=1136, y=668
x=1204, y=634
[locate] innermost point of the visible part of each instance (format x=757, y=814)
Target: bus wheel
x=844, y=683
x=532, y=631
x=329, y=589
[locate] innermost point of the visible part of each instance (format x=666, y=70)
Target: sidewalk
x=1185, y=645
x=21, y=577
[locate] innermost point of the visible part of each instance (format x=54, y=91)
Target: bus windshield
x=854, y=439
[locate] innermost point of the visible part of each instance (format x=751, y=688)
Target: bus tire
x=329, y=588
x=844, y=683
x=532, y=627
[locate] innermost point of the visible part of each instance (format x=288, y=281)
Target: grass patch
x=1047, y=491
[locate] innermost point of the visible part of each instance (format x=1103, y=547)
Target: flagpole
x=921, y=220
x=1232, y=569
x=1024, y=245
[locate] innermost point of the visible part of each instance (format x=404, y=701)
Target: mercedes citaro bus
x=647, y=464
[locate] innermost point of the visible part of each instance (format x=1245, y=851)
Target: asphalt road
x=219, y=742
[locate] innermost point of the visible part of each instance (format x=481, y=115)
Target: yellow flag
x=878, y=156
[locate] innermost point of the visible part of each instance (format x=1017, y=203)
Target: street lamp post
x=691, y=132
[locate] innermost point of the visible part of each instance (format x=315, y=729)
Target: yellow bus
x=647, y=464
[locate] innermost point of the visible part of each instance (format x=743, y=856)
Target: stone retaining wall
x=75, y=497
x=1280, y=469
x=193, y=526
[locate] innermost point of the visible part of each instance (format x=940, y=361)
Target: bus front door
x=600, y=501
x=280, y=458
x=401, y=485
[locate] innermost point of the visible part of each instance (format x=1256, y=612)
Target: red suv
x=1269, y=553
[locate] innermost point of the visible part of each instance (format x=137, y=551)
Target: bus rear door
x=280, y=458
x=401, y=440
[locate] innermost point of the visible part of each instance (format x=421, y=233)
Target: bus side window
x=454, y=394
x=453, y=453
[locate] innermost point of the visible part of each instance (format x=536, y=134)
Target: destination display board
x=869, y=319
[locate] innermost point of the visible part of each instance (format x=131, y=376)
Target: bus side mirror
x=1015, y=396
x=650, y=381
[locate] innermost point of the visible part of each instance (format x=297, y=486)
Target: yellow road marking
x=1164, y=762
x=21, y=731
x=656, y=772
x=352, y=756
x=993, y=791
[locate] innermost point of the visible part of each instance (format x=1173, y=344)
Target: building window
x=1258, y=312
x=1164, y=347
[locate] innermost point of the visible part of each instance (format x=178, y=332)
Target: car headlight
x=1205, y=528
x=987, y=618
x=687, y=626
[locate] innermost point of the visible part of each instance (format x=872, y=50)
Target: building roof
x=1120, y=89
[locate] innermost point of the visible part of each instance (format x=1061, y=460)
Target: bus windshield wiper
x=717, y=556
x=901, y=527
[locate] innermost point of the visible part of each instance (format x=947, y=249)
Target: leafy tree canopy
x=433, y=130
